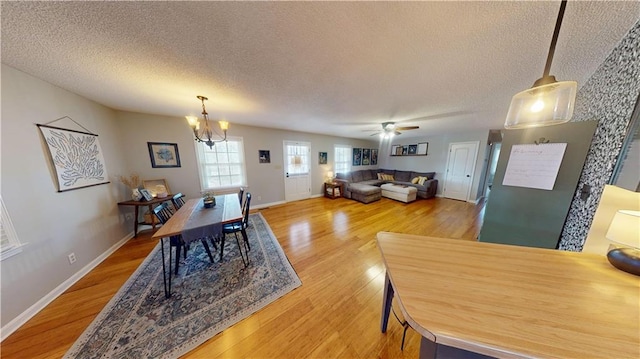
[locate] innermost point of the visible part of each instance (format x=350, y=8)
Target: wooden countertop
x=513, y=301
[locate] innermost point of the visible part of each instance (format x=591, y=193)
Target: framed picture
x=398, y=151
x=357, y=156
x=146, y=194
x=164, y=155
x=264, y=156
x=322, y=158
x=413, y=149
x=422, y=148
x=366, y=156
x=405, y=150
x=152, y=185
x=374, y=156
x=76, y=158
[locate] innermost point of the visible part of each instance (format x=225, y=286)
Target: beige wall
x=265, y=181
x=85, y=221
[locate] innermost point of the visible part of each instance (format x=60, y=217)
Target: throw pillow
x=421, y=180
x=415, y=180
x=387, y=177
x=380, y=176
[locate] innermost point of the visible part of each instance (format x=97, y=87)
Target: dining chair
x=163, y=213
x=239, y=226
x=241, y=195
x=178, y=201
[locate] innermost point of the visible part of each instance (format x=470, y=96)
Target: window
x=342, y=157
x=223, y=166
x=9, y=244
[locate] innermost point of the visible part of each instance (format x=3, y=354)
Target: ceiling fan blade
x=376, y=134
x=405, y=128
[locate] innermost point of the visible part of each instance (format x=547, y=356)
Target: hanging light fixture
x=548, y=102
x=207, y=134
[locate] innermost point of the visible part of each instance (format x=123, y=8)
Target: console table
x=138, y=204
x=485, y=299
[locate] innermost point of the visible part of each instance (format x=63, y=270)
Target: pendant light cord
x=552, y=48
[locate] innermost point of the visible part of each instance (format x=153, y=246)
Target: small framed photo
x=357, y=156
x=423, y=148
x=146, y=194
x=164, y=155
x=405, y=150
x=366, y=156
x=322, y=158
x=413, y=149
x=264, y=156
x=374, y=156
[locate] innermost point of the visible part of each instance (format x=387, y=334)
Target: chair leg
x=246, y=263
x=178, y=247
x=222, y=246
x=206, y=248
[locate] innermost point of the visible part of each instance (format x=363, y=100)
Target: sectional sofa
x=364, y=185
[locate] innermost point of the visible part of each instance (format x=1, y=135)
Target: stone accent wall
x=608, y=97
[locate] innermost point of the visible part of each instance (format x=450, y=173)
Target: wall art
x=322, y=158
x=374, y=156
x=357, y=156
x=264, y=156
x=76, y=158
x=164, y=155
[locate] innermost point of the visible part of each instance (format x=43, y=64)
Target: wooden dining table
x=193, y=221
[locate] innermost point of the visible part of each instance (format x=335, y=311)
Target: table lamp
x=624, y=232
x=330, y=176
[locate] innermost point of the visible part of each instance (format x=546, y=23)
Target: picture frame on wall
x=366, y=156
x=423, y=148
x=398, y=151
x=357, y=156
x=374, y=156
x=405, y=150
x=163, y=155
x=264, y=156
x=413, y=149
x=322, y=158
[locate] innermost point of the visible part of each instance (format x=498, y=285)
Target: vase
x=135, y=194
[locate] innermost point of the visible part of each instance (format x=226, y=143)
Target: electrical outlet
x=72, y=258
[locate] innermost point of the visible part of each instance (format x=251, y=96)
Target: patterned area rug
x=206, y=298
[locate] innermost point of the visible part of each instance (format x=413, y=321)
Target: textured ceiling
x=338, y=68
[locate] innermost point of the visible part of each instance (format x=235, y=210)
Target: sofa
x=364, y=185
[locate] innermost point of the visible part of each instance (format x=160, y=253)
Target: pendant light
x=207, y=134
x=548, y=102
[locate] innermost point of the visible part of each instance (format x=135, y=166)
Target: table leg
x=167, y=288
x=135, y=221
x=386, y=303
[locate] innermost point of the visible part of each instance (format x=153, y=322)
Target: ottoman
x=398, y=192
x=364, y=193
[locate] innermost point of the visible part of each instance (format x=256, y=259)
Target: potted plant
x=209, y=199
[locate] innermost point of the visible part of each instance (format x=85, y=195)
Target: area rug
x=139, y=322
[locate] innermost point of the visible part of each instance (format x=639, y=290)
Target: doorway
x=460, y=170
x=297, y=184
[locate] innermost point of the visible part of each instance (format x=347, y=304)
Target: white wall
x=85, y=221
x=266, y=181
x=436, y=159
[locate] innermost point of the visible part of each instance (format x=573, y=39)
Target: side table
x=332, y=190
x=150, y=204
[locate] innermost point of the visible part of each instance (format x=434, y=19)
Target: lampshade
x=330, y=174
x=548, y=102
x=625, y=228
x=544, y=105
x=208, y=134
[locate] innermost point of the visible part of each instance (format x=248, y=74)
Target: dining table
x=193, y=221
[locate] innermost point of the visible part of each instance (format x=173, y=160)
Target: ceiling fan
x=390, y=129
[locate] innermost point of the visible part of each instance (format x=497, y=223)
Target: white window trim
x=222, y=190
x=6, y=225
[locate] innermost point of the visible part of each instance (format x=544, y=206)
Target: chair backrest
x=178, y=200
x=245, y=211
x=163, y=212
x=240, y=195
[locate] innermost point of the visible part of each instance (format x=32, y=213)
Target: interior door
x=297, y=161
x=460, y=168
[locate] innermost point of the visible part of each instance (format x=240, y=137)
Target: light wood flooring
x=334, y=314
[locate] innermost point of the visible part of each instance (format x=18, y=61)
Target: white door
x=297, y=163
x=461, y=164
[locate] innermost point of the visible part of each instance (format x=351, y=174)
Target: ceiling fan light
x=545, y=105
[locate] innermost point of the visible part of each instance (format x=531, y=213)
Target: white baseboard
x=265, y=205
x=17, y=322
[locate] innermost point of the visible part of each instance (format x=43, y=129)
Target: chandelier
x=207, y=134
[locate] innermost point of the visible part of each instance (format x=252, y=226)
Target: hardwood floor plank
x=334, y=314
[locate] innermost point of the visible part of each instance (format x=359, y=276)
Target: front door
x=297, y=161
x=460, y=168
